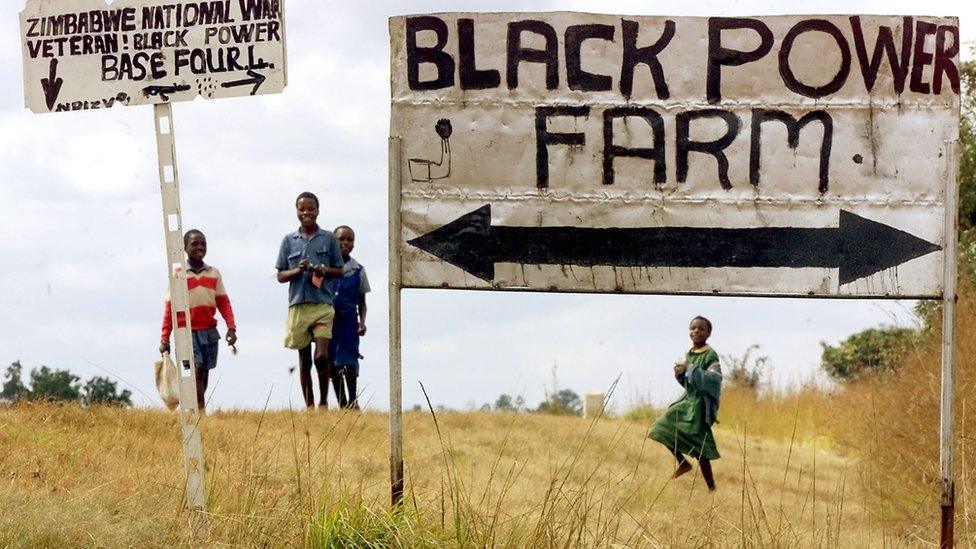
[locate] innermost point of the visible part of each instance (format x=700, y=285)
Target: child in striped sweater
x=207, y=296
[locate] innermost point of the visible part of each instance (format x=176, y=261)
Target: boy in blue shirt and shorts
x=309, y=260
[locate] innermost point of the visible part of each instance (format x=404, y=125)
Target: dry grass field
x=855, y=467
x=112, y=478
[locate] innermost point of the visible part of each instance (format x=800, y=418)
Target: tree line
x=60, y=386
x=565, y=402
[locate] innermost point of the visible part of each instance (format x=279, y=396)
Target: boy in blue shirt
x=350, y=320
x=308, y=260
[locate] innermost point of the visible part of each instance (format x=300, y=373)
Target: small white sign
x=789, y=155
x=87, y=54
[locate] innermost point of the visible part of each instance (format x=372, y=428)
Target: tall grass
x=805, y=414
x=892, y=423
x=112, y=477
x=857, y=466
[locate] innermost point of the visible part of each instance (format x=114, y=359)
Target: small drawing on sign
x=164, y=91
x=206, y=87
x=425, y=171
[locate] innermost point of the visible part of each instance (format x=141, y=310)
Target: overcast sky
x=81, y=239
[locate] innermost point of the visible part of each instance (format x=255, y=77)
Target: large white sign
x=87, y=54
x=789, y=155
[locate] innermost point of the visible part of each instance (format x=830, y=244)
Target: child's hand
x=231, y=337
x=680, y=368
x=362, y=328
x=304, y=265
x=164, y=347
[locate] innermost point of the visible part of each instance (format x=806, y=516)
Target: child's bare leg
x=305, y=374
x=683, y=465
x=322, y=369
x=706, y=469
x=203, y=377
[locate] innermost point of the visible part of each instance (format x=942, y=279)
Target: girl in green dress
x=686, y=426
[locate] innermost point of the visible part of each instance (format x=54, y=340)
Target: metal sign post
x=947, y=410
x=396, y=388
x=169, y=185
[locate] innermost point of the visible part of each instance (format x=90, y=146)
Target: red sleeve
x=226, y=311
x=223, y=304
x=167, y=322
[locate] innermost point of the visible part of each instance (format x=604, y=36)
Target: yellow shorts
x=307, y=321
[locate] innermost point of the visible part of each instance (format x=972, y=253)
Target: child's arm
x=226, y=310
x=362, y=314
x=284, y=273
x=707, y=379
x=679, y=374
x=287, y=275
x=329, y=272
x=167, y=327
x=333, y=270
x=363, y=290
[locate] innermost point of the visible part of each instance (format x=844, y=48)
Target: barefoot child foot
x=683, y=468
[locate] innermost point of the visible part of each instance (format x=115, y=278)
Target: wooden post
x=396, y=384
x=947, y=411
x=169, y=184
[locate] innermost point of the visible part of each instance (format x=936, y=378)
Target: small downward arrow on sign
x=858, y=247
x=52, y=85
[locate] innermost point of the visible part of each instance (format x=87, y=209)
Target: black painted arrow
x=256, y=79
x=52, y=85
x=859, y=247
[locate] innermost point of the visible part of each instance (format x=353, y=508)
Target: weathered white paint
x=947, y=406
x=169, y=186
x=886, y=164
x=87, y=54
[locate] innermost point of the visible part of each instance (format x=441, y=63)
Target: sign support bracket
x=169, y=185
x=396, y=381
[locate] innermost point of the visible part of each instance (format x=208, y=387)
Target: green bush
x=868, y=352
x=642, y=413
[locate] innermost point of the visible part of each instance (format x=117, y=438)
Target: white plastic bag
x=168, y=382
